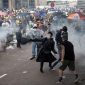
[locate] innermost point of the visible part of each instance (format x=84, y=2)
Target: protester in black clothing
x=67, y=59
x=18, y=37
x=62, y=34
x=45, y=54
x=58, y=36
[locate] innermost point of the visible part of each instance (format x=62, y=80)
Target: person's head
x=65, y=29
x=38, y=23
x=61, y=30
x=37, y=19
x=49, y=35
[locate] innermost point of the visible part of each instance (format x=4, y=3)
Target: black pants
x=42, y=63
x=38, y=49
x=18, y=44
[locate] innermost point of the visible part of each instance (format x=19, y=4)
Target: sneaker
x=53, y=69
x=63, y=77
x=59, y=82
x=32, y=58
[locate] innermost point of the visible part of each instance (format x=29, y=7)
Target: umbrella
x=76, y=16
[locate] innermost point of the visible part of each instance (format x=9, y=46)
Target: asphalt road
x=16, y=68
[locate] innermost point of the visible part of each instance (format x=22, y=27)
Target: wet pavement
x=16, y=68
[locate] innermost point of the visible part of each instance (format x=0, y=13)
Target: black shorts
x=69, y=64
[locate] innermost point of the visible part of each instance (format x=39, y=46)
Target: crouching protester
x=67, y=59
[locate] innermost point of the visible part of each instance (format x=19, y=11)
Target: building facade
x=0, y=4
x=62, y=3
x=3, y=4
x=40, y=2
x=22, y=3
x=7, y=4
x=17, y=4
x=81, y=4
x=58, y=3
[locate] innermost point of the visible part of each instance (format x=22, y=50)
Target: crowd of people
x=45, y=43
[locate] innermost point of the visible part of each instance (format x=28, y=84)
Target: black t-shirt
x=69, y=51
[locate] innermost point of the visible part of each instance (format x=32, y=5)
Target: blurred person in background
x=1, y=21
x=19, y=37
x=38, y=33
x=64, y=34
x=5, y=23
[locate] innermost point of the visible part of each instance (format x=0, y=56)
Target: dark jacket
x=45, y=54
x=58, y=37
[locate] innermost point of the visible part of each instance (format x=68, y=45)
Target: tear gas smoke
x=77, y=37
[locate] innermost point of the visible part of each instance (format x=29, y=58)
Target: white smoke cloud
x=76, y=37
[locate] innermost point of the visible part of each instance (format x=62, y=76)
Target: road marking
x=3, y=76
x=24, y=72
